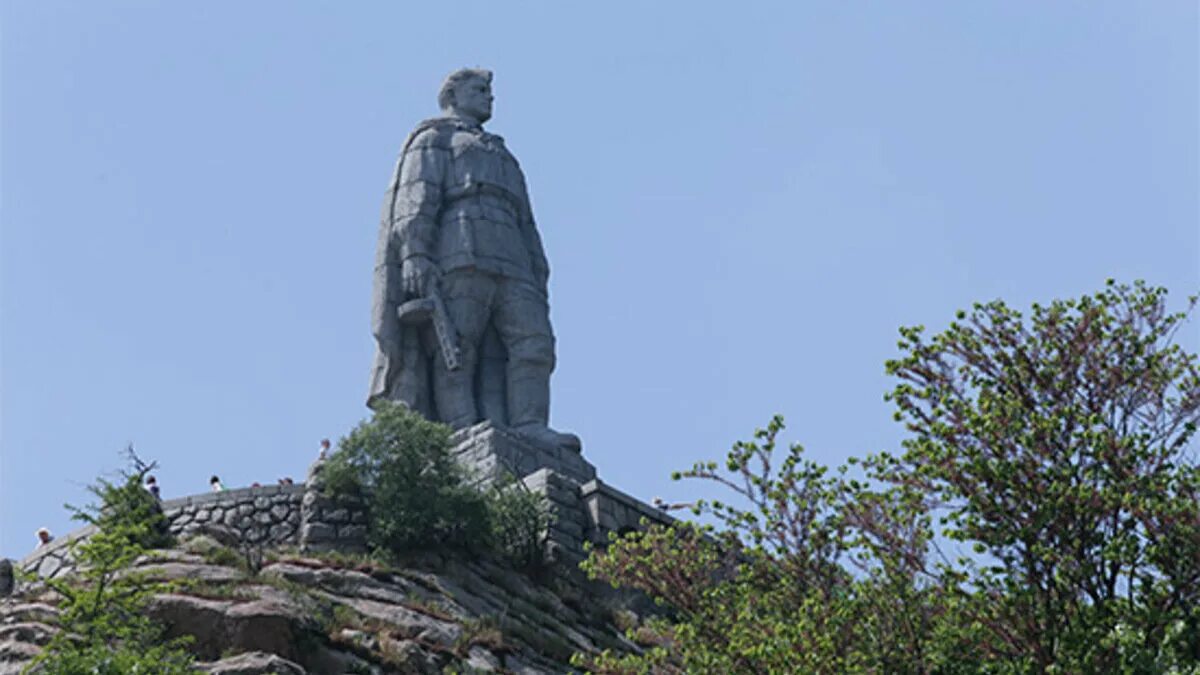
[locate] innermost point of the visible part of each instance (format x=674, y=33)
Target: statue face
x=473, y=97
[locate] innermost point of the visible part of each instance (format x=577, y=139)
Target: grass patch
x=547, y=643
x=482, y=632
x=213, y=590
x=373, y=565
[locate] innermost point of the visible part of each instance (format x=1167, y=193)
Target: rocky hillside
x=292, y=614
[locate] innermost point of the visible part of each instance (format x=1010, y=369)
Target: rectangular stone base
x=583, y=508
x=610, y=510
x=489, y=451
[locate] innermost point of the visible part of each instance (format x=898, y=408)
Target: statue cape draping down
x=401, y=369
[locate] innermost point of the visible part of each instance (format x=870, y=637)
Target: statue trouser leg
x=468, y=296
x=522, y=317
x=491, y=395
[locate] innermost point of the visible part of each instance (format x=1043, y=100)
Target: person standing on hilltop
x=152, y=488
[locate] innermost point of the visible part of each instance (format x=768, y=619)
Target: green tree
x=103, y=626
x=1055, y=450
x=807, y=574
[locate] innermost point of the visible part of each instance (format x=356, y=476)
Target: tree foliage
x=517, y=524
x=419, y=497
x=1057, y=447
x=1044, y=516
x=103, y=626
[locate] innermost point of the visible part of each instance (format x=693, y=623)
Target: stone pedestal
x=489, y=452
x=583, y=508
x=610, y=510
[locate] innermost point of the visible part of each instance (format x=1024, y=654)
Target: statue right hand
x=420, y=276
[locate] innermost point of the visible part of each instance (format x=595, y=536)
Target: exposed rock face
x=24, y=628
x=301, y=615
x=253, y=663
x=273, y=622
x=323, y=615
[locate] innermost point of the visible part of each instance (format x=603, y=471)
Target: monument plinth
x=490, y=452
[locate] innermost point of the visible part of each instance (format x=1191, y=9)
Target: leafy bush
x=416, y=493
x=518, y=520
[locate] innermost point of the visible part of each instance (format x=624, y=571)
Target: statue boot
x=529, y=409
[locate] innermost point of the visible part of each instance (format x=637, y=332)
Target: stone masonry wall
x=610, y=510
x=52, y=560
x=569, y=524
x=583, y=508
x=268, y=515
x=327, y=524
x=489, y=452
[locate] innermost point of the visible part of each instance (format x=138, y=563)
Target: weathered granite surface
x=460, y=312
x=301, y=615
x=490, y=452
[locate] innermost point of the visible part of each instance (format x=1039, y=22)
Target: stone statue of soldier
x=460, y=311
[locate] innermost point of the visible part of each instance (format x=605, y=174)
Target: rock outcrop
x=325, y=615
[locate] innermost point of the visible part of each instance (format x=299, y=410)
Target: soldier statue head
x=467, y=93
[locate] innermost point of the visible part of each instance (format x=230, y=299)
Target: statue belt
x=474, y=190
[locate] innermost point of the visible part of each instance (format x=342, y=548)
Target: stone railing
x=584, y=509
x=51, y=560
x=268, y=516
x=328, y=524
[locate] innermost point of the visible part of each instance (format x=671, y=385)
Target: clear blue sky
x=741, y=203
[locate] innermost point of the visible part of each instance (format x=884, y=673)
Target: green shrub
x=518, y=520
x=401, y=464
x=417, y=495
x=104, y=628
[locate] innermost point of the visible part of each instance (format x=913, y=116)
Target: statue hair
x=446, y=94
